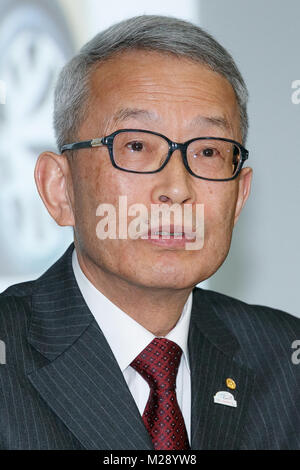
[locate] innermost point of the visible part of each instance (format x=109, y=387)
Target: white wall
x=104, y=13
x=264, y=38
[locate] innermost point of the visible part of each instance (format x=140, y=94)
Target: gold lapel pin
x=230, y=383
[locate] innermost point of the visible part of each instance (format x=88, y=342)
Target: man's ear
x=54, y=183
x=244, y=183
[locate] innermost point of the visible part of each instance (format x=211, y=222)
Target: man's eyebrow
x=218, y=121
x=126, y=113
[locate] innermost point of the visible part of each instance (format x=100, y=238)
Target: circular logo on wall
x=35, y=42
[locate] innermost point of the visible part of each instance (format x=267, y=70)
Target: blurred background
x=38, y=36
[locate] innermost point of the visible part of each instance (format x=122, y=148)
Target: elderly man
x=114, y=347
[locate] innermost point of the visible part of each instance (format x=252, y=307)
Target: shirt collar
x=126, y=337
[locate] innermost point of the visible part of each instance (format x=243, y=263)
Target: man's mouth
x=172, y=234
x=173, y=237
x=171, y=231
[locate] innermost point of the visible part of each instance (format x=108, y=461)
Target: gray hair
x=147, y=32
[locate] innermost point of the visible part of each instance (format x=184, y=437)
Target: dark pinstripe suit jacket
x=61, y=387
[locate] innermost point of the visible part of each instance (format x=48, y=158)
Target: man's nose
x=173, y=183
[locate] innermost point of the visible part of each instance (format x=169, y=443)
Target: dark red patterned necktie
x=158, y=364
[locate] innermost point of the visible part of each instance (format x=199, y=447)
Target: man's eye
x=135, y=146
x=209, y=152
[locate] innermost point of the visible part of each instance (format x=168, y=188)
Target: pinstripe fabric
x=268, y=383
x=62, y=388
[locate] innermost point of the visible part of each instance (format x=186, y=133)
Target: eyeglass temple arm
x=245, y=155
x=83, y=144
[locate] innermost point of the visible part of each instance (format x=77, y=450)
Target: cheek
x=219, y=210
x=87, y=195
x=102, y=184
x=113, y=183
x=95, y=183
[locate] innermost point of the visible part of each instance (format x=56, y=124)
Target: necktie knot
x=158, y=364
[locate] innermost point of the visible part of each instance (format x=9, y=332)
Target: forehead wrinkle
x=124, y=114
x=218, y=121
x=127, y=113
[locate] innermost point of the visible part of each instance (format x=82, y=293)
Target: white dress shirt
x=127, y=338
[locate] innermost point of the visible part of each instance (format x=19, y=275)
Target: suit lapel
x=82, y=382
x=212, y=348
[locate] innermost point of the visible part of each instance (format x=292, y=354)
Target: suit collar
x=205, y=317
x=57, y=305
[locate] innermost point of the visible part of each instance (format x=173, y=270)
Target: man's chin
x=177, y=281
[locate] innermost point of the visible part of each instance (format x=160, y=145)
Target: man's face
x=182, y=100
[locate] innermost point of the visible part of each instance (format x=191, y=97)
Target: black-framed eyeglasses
x=143, y=151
